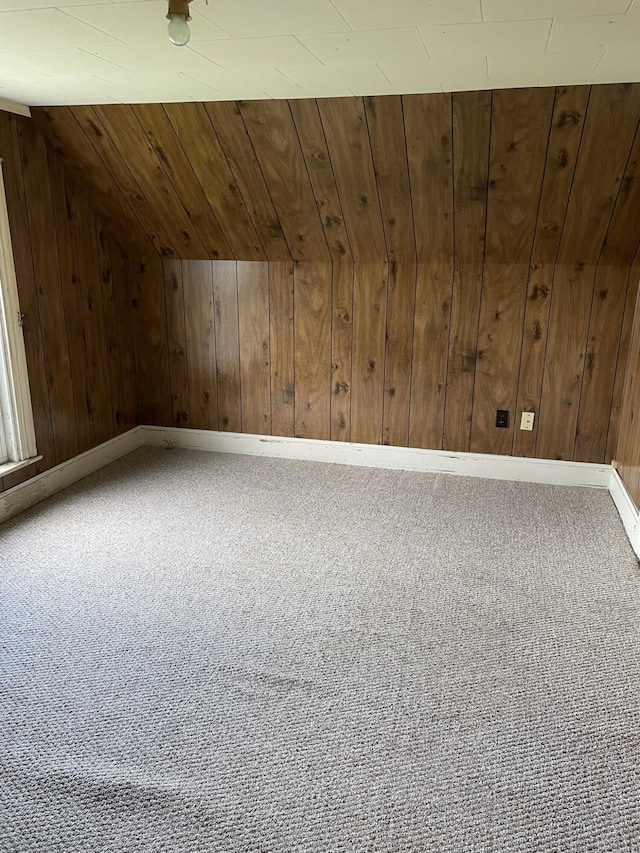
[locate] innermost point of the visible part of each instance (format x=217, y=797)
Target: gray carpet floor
x=203, y=652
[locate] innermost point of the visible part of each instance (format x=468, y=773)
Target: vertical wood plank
x=471, y=127
x=428, y=127
x=341, y=343
x=175, y=162
x=72, y=297
x=272, y=132
x=532, y=356
x=255, y=365
x=603, y=341
x=621, y=240
x=564, y=362
x=282, y=348
x=152, y=350
x=86, y=166
x=428, y=121
x=628, y=450
x=124, y=129
x=90, y=287
x=191, y=121
x=238, y=149
x=369, y=324
x=499, y=342
x=430, y=347
x=521, y=121
x=197, y=279
x=99, y=153
x=621, y=365
x=399, y=353
x=312, y=284
x=347, y=137
x=50, y=299
x=613, y=116
x=177, y=342
x=111, y=329
x=389, y=149
x=597, y=198
x=463, y=342
x=567, y=125
x=225, y=300
x=564, y=141
x=126, y=334
x=316, y=155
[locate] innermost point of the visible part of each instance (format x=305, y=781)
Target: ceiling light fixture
x=178, y=16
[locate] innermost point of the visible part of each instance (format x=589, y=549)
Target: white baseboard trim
x=25, y=495
x=548, y=471
x=627, y=510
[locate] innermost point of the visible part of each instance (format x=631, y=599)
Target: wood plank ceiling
x=502, y=178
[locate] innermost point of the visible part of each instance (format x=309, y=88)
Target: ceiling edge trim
x=15, y=107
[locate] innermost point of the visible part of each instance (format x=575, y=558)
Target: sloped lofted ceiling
x=497, y=174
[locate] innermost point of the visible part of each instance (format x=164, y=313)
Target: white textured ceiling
x=92, y=51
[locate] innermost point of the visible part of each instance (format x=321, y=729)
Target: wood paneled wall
x=628, y=453
x=73, y=284
x=368, y=352
x=405, y=265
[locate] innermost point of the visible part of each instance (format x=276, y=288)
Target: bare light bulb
x=178, y=29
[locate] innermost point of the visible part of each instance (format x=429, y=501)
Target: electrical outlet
x=526, y=421
x=502, y=418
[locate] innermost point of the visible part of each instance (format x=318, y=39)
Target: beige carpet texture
x=205, y=653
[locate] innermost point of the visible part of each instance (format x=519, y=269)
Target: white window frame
x=18, y=437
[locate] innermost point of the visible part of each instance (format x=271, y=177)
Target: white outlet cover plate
x=526, y=421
